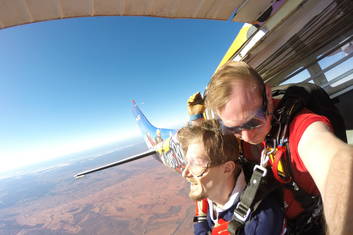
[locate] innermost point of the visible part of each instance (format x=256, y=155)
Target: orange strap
x=201, y=207
x=281, y=151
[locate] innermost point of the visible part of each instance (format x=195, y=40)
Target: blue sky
x=66, y=85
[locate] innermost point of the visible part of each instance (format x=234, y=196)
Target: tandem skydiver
x=217, y=181
x=320, y=164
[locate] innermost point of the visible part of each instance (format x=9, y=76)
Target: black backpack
x=311, y=96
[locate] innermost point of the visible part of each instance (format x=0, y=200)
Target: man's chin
x=255, y=141
x=197, y=195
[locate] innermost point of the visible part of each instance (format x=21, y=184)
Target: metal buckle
x=243, y=209
x=262, y=169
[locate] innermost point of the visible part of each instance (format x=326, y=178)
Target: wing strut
x=129, y=159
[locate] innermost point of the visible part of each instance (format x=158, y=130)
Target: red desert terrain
x=142, y=197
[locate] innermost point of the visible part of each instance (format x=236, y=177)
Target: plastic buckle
x=262, y=169
x=244, y=210
x=199, y=219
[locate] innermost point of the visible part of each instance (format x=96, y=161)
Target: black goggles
x=256, y=121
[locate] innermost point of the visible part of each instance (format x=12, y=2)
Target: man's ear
x=269, y=98
x=229, y=167
x=268, y=92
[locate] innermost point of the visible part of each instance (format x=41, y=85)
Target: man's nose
x=244, y=135
x=186, y=173
x=238, y=135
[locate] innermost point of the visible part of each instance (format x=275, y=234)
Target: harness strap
x=201, y=210
x=244, y=207
x=281, y=151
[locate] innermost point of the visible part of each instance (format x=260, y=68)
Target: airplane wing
x=162, y=143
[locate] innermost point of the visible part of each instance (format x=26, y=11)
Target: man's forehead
x=243, y=102
x=196, y=151
x=244, y=93
x=245, y=85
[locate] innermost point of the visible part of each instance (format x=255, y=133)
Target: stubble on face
x=197, y=191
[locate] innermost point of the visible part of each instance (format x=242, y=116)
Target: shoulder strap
x=256, y=190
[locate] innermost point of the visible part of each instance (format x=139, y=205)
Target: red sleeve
x=296, y=129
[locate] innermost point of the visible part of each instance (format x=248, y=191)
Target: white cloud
x=12, y=159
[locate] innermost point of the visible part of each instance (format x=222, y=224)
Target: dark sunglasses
x=256, y=121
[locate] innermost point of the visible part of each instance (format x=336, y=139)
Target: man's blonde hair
x=219, y=88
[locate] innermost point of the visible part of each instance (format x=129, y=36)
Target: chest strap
x=247, y=202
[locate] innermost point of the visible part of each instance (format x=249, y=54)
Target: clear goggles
x=196, y=167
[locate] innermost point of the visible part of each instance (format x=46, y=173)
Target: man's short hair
x=218, y=147
x=219, y=88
